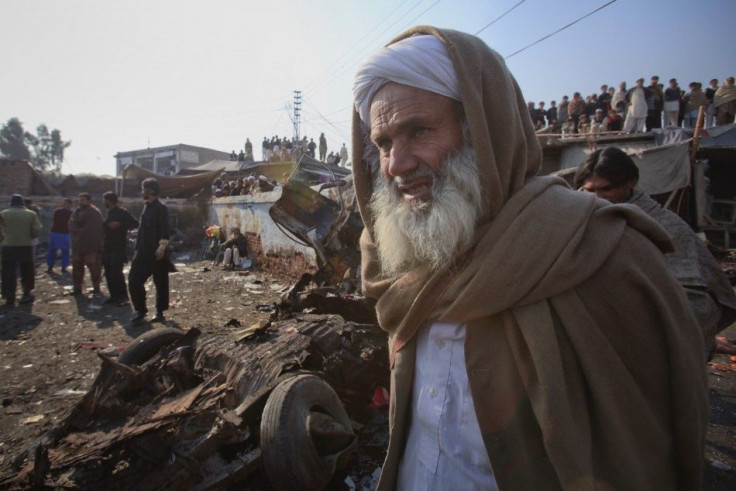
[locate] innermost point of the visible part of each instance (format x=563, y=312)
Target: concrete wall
x=273, y=249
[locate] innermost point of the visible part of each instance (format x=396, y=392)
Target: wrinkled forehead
x=397, y=106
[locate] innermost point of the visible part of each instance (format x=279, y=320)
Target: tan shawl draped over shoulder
x=585, y=364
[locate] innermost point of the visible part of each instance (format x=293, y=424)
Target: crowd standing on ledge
x=638, y=109
x=281, y=149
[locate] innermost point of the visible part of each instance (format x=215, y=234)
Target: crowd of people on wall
x=242, y=186
x=638, y=109
x=282, y=149
x=87, y=240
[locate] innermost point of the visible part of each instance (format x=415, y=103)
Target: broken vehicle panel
x=325, y=219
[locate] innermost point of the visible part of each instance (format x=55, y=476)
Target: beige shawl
x=724, y=95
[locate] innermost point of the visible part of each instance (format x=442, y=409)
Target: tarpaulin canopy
x=661, y=169
x=719, y=136
x=171, y=186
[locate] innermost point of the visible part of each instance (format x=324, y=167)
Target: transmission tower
x=297, y=113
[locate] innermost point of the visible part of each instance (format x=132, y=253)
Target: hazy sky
x=124, y=75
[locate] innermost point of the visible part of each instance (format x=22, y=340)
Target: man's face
x=108, y=204
x=603, y=188
x=714, y=83
x=415, y=131
x=640, y=83
x=67, y=204
x=83, y=202
x=147, y=195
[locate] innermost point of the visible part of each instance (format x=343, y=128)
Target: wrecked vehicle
x=270, y=406
x=325, y=219
x=260, y=406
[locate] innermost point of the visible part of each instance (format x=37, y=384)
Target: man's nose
x=400, y=160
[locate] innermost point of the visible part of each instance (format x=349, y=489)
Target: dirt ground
x=48, y=360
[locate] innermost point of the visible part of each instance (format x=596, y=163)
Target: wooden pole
x=696, y=135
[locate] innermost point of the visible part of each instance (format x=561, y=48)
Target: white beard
x=411, y=234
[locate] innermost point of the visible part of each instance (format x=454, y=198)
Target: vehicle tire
x=145, y=346
x=306, y=434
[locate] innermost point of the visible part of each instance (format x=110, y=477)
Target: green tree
x=45, y=149
x=13, y=140
x=57, y=149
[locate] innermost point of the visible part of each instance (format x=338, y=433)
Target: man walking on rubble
x=521, y=357
x=114, y=251
x=19, y=227
x=85, y=227
x=151, y=255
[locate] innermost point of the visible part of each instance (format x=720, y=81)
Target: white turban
x=418, y=61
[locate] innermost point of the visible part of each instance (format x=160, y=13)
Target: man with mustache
x=525, y=320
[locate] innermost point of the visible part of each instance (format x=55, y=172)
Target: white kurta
x=638, y=107
x=444, y=449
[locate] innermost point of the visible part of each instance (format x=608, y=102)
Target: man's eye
x=384, y=145
x=419, y=132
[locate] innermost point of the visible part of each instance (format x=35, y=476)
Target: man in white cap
x=525, y=320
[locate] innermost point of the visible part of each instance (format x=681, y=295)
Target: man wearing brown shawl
x=725, y=102
x=85, y=227
x=581, y=365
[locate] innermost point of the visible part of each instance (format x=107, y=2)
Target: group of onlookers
x=638, y=109
x=84, y=238
x=283, y=149
x=245, y=155
x=241, y=186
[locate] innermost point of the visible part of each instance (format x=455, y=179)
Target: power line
x=499, y=17
x=421, y=14
x=560, y=29
x=356, y=48
x=333, y=125
x=369, y=32
x=350, y=62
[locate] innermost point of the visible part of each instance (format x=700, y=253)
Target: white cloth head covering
x=418, y=61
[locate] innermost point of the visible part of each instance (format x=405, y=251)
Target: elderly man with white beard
x=526, y=321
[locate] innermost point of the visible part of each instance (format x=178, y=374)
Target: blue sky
x=122, y=75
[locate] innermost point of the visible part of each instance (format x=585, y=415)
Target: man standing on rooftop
x=520, y=356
